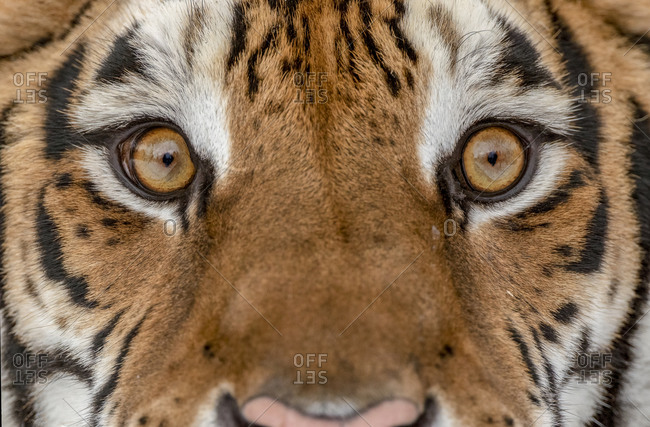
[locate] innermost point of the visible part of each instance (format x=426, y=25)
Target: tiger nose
x=267, y=412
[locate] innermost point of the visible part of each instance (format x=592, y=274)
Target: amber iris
x=493, y=160
x=160, y=160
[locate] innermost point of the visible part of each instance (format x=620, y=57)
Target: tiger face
x=321, y=213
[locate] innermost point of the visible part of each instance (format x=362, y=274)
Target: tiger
x=282, y=213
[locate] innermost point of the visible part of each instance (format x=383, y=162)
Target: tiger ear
x=28, y=23
x=631, y=16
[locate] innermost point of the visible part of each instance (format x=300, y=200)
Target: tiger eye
x=493, y=160
x=160, y=161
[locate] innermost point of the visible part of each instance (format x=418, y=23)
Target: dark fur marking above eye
x=269, y=42
x=123, y=59
x=392, y=79
x=239, y=36
x=566, y=313
x=589, y=124
x=350, y=42
x=522, y=58
x=60, y=136
x=52, y=258
x=401, y=41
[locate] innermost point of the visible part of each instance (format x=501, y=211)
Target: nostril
x=272, y=413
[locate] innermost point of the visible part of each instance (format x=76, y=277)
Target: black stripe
x=566, y=314
x=557, y=198
x=38, y=44
x=593, y=252
x=239, y=30
x=401, y=41
x=59, y=134
x=392, y=80
x=253, y=79
x=521, y=58
x=635, y=40
x=49, y=38
x=100, y=338
x=63, y=361
x=100, y=398
x=551, y=396
x=549, y=332
x=350, y=41
x=621, y=348
x=23, y=408
x=52, y=258
x=122, y=59
x=525, y=354
x=588, y=125
x=3, y=142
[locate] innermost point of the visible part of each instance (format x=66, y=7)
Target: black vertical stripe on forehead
x=123, y=58
x=239, y=30
x=59, y=134
x=100, y=399
x=593, y=251
x=588, y=125
x=392, y=80
x=444, y=24
x=623, y=352
x=52, y=258
x=521, y=58
x=350, y=42
x=269, y=42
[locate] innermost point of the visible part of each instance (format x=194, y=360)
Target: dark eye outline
x=530, y=135
x=124, y=169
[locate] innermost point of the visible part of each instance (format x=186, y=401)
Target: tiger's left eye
x=158, y=160
x=493, y=160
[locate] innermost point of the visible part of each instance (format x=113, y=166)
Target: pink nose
x=270, y=413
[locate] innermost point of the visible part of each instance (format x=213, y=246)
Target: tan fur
x=322, y=207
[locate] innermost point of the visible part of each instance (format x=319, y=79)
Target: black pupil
x=167, y=159
x=492, y=157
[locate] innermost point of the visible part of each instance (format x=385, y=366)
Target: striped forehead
x=479, y=63
x=485, y=65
